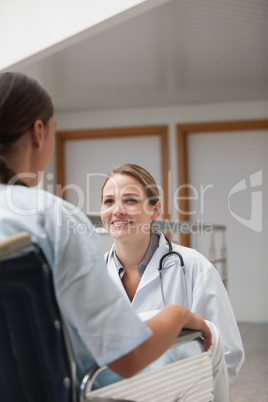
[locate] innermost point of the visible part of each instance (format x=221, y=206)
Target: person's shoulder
x=55, y=206
x=192, y=254
x=66, y=209
x=50, y=198
x=21, y=193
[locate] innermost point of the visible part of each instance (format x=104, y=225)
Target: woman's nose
x=118, y=209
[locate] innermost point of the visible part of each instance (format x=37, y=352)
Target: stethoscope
x=160, y=268
x=170, y=252
x=161, y=263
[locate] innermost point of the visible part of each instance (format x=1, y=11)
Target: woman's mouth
x=121, y=223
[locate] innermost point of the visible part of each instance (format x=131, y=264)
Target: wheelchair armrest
x=15, y=244
x=185, y=336
x=187, y=378
x=88, y=381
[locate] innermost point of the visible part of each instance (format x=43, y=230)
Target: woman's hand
x=198, y=323
x=173, y=318
x=166, y=326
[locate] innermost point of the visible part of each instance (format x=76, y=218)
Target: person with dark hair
x=102, y=326
x=23, y=103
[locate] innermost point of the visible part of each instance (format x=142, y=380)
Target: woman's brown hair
x=141, y=175
x=22, y=101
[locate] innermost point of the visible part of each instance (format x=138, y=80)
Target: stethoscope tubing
x=170, y=252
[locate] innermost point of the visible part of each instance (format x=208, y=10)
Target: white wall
x=234, y=165
x=247, y=251
x=88, y=162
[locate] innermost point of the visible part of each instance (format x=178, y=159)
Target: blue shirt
x=101, y=324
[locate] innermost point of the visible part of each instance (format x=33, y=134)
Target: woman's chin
x=119, y=233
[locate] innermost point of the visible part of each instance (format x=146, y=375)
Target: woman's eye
x=108, y=201
x=130, y=200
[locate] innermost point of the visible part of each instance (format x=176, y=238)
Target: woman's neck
x=131, y=253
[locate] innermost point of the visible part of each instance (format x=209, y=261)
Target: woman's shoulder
x=192, y=256
x=45, y=203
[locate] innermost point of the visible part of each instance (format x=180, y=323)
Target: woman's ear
x=37, y=133
x=157, y=210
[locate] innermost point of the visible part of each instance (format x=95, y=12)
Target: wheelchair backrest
x=35, y=363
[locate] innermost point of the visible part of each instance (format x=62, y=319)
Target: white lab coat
x=200, y=290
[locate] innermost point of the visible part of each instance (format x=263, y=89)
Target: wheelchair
x=36, y=359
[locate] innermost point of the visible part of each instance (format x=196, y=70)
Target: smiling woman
x=130, y=204
x=126, y=209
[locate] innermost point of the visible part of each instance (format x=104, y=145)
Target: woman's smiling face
x=125, y=208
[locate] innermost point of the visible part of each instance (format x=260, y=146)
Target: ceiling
x=181, y=53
